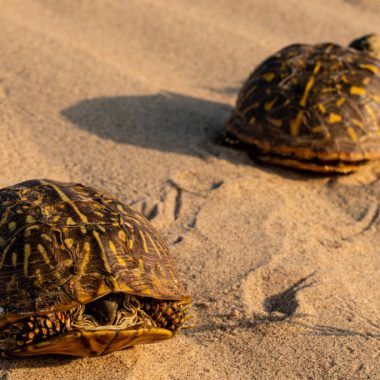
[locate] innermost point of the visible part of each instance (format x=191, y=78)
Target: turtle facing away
x=81, y=273
x=312, y=107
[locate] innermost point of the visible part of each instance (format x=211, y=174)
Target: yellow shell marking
x=308, y=87
x=28, y=231
x=38, y=280
x=27, y=253
x=162, y=248
x=12, y=226
x=321, y=107
x=56, y=218
x=143, y=241
x=357, y=122
x=114, y=251
x=334, y=118
x=70, y=221
x=120, y=208
x=318, y=129
x=335, y=67
x=69, y=243
x=46, y=237
x=295, y=124
x=366, y=81
x=86, y=257
x=122, y=236
x=29, y=219
x=83, y=230
x=275, y=122
x=344, y=78
x=268, y=77
x=154, y=246
x=102, y=251
x=133, y=219
x=340, y=101
x=352, y=134
x=42, y=250
x=66, y=199
x=112, y=247
x=269, y=105
x=317, y=67
x=14, y=259
x=146, y=292
x=68, y=262
x=370, y=67
x=327, y=89
x=355, y=90
x=47, y=209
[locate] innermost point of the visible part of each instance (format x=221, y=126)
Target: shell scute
x=312, y=102
x=72, y=244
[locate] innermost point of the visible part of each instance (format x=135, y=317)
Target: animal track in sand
x=359, y=207
x=181, y=198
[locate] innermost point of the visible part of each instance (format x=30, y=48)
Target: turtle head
x=369, y=44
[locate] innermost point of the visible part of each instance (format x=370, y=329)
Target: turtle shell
x=314, y=107
x=66, y=244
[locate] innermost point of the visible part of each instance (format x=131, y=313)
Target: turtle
x=82, y=273
x=312, y=107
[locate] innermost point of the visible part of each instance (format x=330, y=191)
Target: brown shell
x=64, y=244
x=312, y=102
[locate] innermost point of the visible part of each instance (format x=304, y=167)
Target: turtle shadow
x=281, y=309
x=164, y=121
x=316, y=330
x=169, y=122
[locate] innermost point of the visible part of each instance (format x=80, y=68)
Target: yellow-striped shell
x=64, y=244
x=314, y=107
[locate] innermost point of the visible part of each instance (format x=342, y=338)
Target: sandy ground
x=130, y=96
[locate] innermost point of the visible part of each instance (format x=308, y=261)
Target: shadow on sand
x=166, y=121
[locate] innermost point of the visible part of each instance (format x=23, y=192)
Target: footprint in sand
x=181, y=197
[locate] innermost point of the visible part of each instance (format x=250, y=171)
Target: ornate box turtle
x=81, y=273
x=312, y=107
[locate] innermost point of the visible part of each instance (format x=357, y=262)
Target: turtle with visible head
x=312, y=107
x=81, y=273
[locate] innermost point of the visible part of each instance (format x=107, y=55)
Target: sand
x=130, y=96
